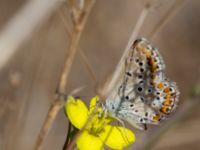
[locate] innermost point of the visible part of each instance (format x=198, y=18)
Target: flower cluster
x=97, y=130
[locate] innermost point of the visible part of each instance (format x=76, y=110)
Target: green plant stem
x=68, y=136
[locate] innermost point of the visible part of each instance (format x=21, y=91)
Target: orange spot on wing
x=167, y=103
x=167, y=90
x=153, y=66
x=160, y=85
x=164, y=109
x=146, y=52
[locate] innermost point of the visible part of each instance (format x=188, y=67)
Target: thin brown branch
x=81, y=54
x=52, y=113
x=59, y=101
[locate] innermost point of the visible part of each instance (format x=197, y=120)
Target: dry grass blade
x=84, y=60
x=109, y=85
x=170, y=13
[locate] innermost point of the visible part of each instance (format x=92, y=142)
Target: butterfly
x=143, y=94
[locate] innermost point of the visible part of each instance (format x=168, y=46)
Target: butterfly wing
x=144, y=95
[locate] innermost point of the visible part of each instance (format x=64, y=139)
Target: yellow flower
x=98, y=131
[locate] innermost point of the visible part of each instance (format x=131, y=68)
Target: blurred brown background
x=28, y=81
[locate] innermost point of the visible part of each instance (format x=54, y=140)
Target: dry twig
x=79, y=23
x=81, y=53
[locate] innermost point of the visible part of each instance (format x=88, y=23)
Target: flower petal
x=93, y=102
x=87, y=141
x=76, y=111
x=117, y=137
